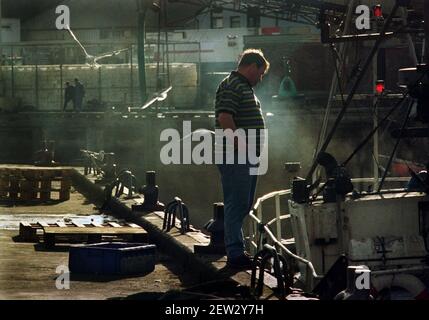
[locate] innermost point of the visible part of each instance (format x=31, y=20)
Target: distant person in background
x=69, y=96
x=79, y=93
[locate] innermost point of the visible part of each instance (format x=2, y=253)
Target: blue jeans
x=238, y=193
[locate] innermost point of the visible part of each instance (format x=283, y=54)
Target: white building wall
x=10, y=30
x=265, y=22
x=216, y=45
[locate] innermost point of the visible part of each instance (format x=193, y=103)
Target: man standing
x=79, y=93
x=68, y=95
x=237, y=107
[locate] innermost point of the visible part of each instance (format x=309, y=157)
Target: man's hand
x=226, y=121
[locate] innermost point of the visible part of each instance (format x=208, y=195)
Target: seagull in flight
x=90, y=59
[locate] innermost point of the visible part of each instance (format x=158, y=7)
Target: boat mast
x=375, y=97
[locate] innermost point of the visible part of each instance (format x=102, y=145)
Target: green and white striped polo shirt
x=235, y=95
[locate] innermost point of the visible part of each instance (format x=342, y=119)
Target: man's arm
x=226, y=121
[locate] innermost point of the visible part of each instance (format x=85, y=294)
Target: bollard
x=216, y=229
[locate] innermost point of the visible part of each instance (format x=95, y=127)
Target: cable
x=354, y=88
x=376, y=117
x=389, y=163
x=336, y=57
x=365, y=141
x=327, y=112
x=333, y=89
x=337, y=60
x=400, y=102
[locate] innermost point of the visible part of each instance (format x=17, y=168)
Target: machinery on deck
x=387, y=232
x=100, y=163
x=335, y=226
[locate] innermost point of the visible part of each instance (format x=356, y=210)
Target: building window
x=235, y=21
x=117, y=34
x=253, y=22
x=253, y=17
x=105, y=34
x=217, y=22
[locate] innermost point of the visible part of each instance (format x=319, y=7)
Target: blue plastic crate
x=112, y=258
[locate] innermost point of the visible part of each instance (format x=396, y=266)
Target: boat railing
x=260, y=231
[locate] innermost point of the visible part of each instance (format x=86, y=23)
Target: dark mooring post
x=216, y=229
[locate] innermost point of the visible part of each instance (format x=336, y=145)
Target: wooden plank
x=30, y=225
x=14, y=187
x=26, y=190
x=27, y=232
x=45, y=193
x=94, y=224
x=35, y=189
x=28, y=182
x=25, y=224
x=4, y=185
x=65, y=189
x=114, y=224
x=78, y=224
x=95, y=230
x=43, y=224
x=61, y=224
x=133, y=225
x=34, y=193
x=30, y=167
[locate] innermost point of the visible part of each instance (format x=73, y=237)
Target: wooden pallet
x=76, y=232
x=35, y=184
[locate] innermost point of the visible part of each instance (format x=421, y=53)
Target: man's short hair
x=251, y=56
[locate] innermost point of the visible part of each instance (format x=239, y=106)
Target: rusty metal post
x=427, y=28
x=61, y=88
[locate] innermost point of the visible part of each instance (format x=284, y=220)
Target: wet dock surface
x=28, y=270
